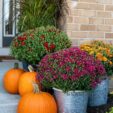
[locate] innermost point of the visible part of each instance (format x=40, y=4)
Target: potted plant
x=33, y=14
x=71, y=73
x=103, y=52
x=32, y=45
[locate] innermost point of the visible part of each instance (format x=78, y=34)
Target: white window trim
x=9, y=34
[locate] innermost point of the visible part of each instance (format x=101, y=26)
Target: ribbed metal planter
x=99, y=95
x=71, y=102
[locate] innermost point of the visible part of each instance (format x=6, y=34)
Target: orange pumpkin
x=11, y=79
x=25, y=82
x=37, y=102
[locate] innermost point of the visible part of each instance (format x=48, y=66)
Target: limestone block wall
x=89, y=20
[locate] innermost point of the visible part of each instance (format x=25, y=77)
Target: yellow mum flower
x=110, y=63
x=99, y=55
x=104, y=59
x=100, y=48
x=91, y=53
x=110, y=55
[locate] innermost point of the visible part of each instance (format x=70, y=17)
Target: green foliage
x=38, y=13
x=32, y=45
x=69, y=70
x=111, y=111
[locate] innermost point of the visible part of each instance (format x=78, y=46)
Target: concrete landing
x=8, y=103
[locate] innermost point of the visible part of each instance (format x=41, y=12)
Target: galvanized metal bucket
x=72, y=101
x=99, y=95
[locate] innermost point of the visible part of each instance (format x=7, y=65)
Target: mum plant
x=101, y=51
x=70, y=69
x=32, y=45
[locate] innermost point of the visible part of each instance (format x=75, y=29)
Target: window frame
x=14, y=23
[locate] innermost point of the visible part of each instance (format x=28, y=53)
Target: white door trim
x=1, y=25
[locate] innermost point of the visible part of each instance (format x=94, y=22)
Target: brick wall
x=90, y=19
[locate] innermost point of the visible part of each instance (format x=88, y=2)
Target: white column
x=1, y=19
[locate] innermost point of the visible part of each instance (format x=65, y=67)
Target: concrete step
x=8, y=103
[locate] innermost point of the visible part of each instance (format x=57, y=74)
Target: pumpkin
x=37, y=102
x=11, y=79
x=26, y=80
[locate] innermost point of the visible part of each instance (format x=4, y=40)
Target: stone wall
x=90, y=19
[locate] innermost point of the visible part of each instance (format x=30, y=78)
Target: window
x=10, y=14
x=9, y=23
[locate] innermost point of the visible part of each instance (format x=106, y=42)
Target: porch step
x=6, y=58
x=8, y=103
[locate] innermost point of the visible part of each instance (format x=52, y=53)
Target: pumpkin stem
x=16, y=65
x=30, y=68
x=36, y=88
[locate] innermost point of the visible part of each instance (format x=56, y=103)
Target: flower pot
x=72, y=101
x=99, y=95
